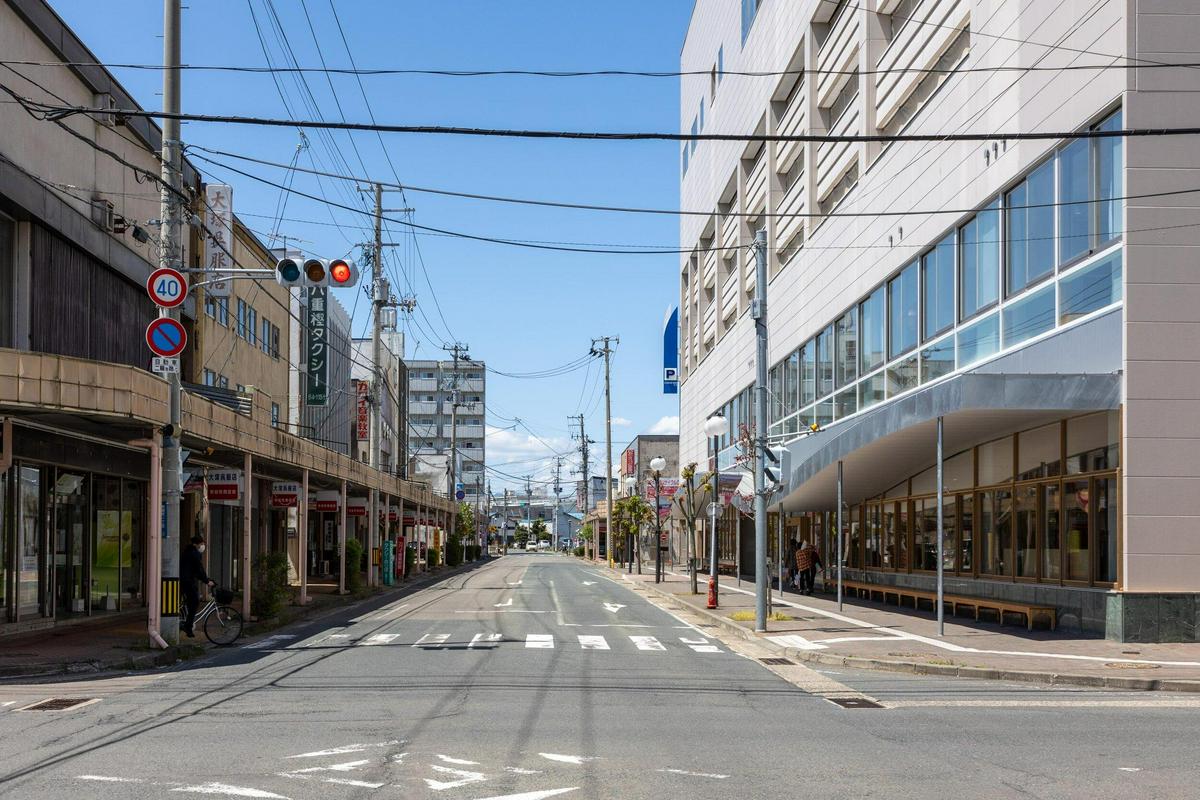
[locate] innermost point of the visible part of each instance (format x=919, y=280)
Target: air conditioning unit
x=102, y=214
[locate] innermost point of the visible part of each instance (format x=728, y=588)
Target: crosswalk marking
x=484, y=638
x=269, y=642
x=542, y=640
x=381, y=638
x=700, y=645
x=432, y=640
x=593, y=643
x=647, y=643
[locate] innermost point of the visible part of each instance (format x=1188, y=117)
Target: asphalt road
x=538, y=676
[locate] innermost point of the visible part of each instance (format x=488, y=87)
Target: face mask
x=200, y=547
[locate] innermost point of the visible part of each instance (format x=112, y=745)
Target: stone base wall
x=1153, y=617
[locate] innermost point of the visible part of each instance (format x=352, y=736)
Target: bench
x=726, y=567
x=872, y=591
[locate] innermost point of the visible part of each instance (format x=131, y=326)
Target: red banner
x=364, y=415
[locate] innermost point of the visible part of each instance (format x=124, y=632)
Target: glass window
x=979, y=340
x=888, y=523
x=1031, y=229
x=1093, y=443
x=846, y=402
x=873, y=558
x=251, y=325
x=979, y=273
x=995, y=461
x=1090, y=288
x=775, y=390
x=937, y=359
x=1051, y=534
x=825, y=362
x=791, y=383
x=30, y=540
x=966, y=542
x=1025, y=516
x=925, y=534
x=1028, y=317
x=749, y=10
x=873, y=336
x=1038, y=452
x=1106, y=530
x=808, y=373
x=958, y=471
x=847, y=348
x=902, y=311
x=241, y=318
x=902, y=376
x=937, y=288
x=1076, y=503
x=1074, y=193
x=871, y=391
x=1110, y=182
x=903, y=522
x=899, y=490
x=823, y=413
x=995, y=532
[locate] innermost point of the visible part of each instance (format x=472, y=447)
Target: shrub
x=433, y=557
x=354, y=564
x=271, y=591
x=410, y=560
x=454, y=551
x=579, y=551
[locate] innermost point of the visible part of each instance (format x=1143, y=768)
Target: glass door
x=31, y=544
x=70, y=522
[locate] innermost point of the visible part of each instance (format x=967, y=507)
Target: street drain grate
x=853, y=702
x=782, y=662
x=705, y=625
x=59, y=704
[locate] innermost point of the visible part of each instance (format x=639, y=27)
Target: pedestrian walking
x=191, y=571
x=808, y=561
x=793, y=546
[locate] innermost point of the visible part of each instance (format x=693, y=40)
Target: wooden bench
x=872, y=591
x=726, y=567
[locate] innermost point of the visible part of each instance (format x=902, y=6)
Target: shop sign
x=356, y=506
x=317, y=393
x=285, y=494
x=194, y=483
x=668, y=487
x=328, y=500
x=225, y=485
x=364, y=410
x=394, y=514
x=219, y=199
x=629, y=462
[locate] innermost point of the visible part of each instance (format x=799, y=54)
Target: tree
x=539, y=532
x=689, y=501
x=466, y=519
x=629, y=514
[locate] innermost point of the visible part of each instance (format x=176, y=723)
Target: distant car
x=531, y=545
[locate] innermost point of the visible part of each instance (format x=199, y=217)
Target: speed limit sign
x=167, y=287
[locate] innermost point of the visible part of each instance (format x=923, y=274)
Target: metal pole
x=712, y=556
x=758, y=312
x=658, y=565
x=608, y=450
x=940, y=534
x=779, y=533
x=247, y=492
x=377, y=381
x=302, y=536
x=342, y=541
x=171, y=255
x=838, y=555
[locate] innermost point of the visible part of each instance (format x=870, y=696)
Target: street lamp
x=631, y=483
x=657, y=465
x=714, y=426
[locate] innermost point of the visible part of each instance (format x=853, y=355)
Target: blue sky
x=519, y=309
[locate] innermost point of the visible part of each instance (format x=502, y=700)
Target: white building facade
x=431, y=388
x=1038, y=295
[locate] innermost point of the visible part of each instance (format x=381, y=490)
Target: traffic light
x=316, y=272
x=287, y=272
x=343, y=274
x=777, y=465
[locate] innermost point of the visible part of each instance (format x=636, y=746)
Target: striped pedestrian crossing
x=532, y=641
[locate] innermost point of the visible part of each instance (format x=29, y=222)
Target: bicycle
x=221, y=622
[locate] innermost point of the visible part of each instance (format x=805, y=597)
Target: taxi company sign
x=285, y=494
x=225, y=485
x=317, y=392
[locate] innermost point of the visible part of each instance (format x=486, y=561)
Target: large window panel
x=979, y=340
x=825, y=362
x=979, y=271
x=873, y=330
x=1025, y=513
x=1031, y=229
x=966, y=542
x=791, y=383
x=1106, y=530
x=1090, y=289
x=902, y=376
x=937, y=288
x=775, y=384
x=902, y=311
x=847, y=348
x=937, y=359
x=1051, y=534
x=846, y=402
x=1110, y=182
x=1028, y=317
x=871, y=391
x=808, y=373
x=1076, y=502
x=1039, y=452
x=1074, y=194
x=996, y=461
x=1093, y=442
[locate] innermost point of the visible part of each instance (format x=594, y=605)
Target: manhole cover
x=59, y=704
x=1119, y=665
x=782, y=662
x=853, y=702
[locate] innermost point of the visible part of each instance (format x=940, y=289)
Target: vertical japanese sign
x=317, y=393
x=364, y=417
x=219, y=200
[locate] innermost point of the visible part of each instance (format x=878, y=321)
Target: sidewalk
x=124, y=645
x=873, y=636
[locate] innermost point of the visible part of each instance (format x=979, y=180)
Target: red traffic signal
x=342, y=273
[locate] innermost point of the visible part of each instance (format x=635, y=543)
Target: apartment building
x=1037, y=296
x=392, y=409
x=432, y=385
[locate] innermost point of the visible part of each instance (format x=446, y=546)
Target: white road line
x=514, y=583
x=797, y=641
x=613, y=607
x=648, y=643
x=700, y=645
x=540, y=640
x=346, y=766
x=380, y=638
x=385, y=613
x=465, y=777
x=695, y=774
x=522, y=771
x=538, y=795
x=856, y=639
x=566, y=759
x=558, y=614
x=503, y=611
x=270, y=641
x=461, y=761
x=589, y=583
x=226, y=790
x=352, y=782
x=108, y=779
x=347, y=748
x=484, y=638
x=505, y=604
x=593, y=643
x=432, y=640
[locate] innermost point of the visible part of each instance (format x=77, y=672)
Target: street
x=536, y=676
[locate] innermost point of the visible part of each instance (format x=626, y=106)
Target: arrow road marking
x=613, y=607
x=505, y=604
x=349, y=748
x=593, y=643
x=464, y=777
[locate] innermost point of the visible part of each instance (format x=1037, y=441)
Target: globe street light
x=657, y=465
x=714, y=426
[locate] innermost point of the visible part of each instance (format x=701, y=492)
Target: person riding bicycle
x=191, y=570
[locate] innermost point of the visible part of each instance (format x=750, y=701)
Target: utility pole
x=171, y=255
x=378, y=298
x=504, y=527
x=607, y=352
x=558, y=462
x=528, y=501
x=758, y=312
x=459, y=351
x=583, y=455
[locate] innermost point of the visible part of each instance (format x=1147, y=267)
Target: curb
x=171, y=656
x=943, y=670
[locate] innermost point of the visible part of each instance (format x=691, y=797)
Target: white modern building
x=1038, y=295
x=431, y=388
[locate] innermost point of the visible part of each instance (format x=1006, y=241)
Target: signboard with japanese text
x=218, y=198
x=317, y=392
x=629, y=462
x=362, y=397
x=356, y=506
x=325, y=500
x=285, y=494
x=225, y=485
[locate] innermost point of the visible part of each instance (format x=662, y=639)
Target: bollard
x=712, y=592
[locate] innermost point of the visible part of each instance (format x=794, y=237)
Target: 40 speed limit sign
x=167, y=287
